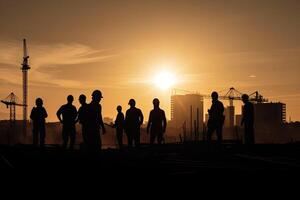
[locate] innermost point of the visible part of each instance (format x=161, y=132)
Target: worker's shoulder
x=139, y=110
x=220, y=103
x=249, y=104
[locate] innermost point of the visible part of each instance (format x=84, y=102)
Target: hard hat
x=131, y=102
x=97, y=93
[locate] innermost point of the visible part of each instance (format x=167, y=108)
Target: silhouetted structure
x=133, y=120
x=248, y=120
x=269, y=119
x=11, y=101
x=119, y=125
x=25, y=67
x=157, y=123
x=94, y=122
x=216, y=118
x=68, y=119
x=82, y=117
x=186, y=109
x=38, y=116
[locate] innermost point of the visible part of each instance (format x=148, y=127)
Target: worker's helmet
x=39, y=102
x=245, y=97
x=119, y=108
x=70, y=98
x=97, y=94
x=82, y=98
x=131, y=102
x=156, y=102
x=214, y=95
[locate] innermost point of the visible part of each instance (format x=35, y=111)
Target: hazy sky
x=76, y=46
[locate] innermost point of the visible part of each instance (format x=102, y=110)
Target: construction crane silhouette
x=25, y=67
x=11, y=101
x=232, y=94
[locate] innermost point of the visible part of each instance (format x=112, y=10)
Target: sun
x=164, y=80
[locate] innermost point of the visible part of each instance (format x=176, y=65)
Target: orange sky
x=118, y=46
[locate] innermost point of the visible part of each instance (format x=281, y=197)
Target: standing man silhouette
x=133, y=120
x=248, y=120
x=157, y=123
x=216, y=118
x=67, y=115
x=119, y=125
x=38, y=116
x=82, y=116
x=95, y=122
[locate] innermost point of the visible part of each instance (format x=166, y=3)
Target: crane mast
x=25, y=68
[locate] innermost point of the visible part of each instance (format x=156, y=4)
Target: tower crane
x=233, y=94
x=11, y=101
x=25, y=67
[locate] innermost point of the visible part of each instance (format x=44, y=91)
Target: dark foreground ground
x=167, y=160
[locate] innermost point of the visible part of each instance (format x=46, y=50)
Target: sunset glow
x=164, y=80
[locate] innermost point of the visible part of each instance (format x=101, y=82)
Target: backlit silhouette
x=157, y=123
x=38, y=116
x=216, y=118
x=94, y=122
x=83, y=117
x=119, y=125
x=133, y=120
x=67, y=115
x=248, y=120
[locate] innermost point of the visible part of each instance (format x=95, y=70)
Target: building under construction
x=187, y=111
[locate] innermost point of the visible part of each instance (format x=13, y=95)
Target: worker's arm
x=101, y=122
x=149, y=122
x=45, y=113
x=164, y=122
x=141, y=118
x=32, y=114
x=58, y=114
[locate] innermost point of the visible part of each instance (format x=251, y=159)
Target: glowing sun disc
x=164, y=80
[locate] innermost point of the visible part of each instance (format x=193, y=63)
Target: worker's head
x=156, y=103
x=245, y=98
x=70, y=99
x=119, y=108
x=39, y=102
x=131, y=103
x=214, y=96
x=82, y=99
x=97, y=95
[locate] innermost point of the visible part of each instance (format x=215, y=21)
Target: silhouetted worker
x=119, y=125
x=38, y=116
x=67, y=115
x=133, y=120
x=82, y=116
x=248, y=120
x=95, y=122
x=216, y=118
x=157, y=123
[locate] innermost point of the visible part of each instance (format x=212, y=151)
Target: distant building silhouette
x=269, y=120
x=187, y=109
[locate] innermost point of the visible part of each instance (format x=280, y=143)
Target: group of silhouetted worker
x=90, y=118
x=216, y=119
